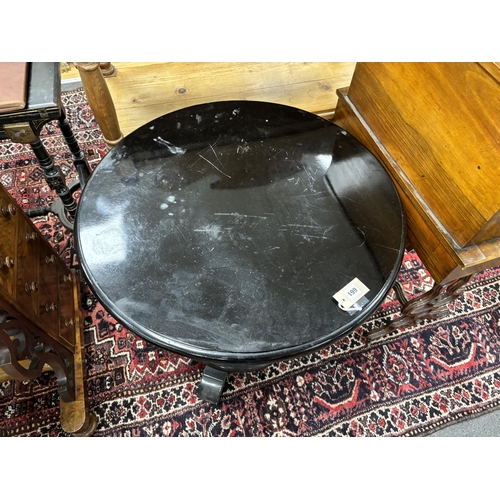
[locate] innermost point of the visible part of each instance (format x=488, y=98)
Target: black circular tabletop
x=221, y=231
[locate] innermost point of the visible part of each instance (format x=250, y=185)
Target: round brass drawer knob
x=8, y=210
x=7, y=263
x=31, y=287
x=50, y=260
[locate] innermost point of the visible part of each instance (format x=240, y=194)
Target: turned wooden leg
x=100, y=101
x=76, y=417
x=431, y=305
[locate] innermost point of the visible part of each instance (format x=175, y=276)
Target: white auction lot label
x=351, y=293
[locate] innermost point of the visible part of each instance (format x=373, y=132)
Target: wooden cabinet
x=39, y=314
x=436, y=129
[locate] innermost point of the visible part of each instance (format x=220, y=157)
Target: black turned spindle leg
x=54, y=177
x=79, y=160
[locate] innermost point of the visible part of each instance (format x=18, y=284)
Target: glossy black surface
x=45, y=85
x=221, y=231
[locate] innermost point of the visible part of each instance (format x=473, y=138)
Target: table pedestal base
x=212, y=384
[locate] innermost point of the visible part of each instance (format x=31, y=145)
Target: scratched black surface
x=221, y=231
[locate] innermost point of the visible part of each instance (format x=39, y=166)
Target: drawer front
x=48, y=290
x=9, y=215
x=27, y=285
x=66, y=305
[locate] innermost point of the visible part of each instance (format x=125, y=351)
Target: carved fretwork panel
x=20, y=341
x=431, y=305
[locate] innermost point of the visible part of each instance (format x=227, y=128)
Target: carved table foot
x=431, y=305
x=211, y=385
x=77, y=420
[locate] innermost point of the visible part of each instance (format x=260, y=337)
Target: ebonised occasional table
x=222, y=231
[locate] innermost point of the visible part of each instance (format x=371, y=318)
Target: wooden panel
x=442, y=257
x=27, y=284
x=40, y=283
x=49, y=302
x=144, y=91
x=8, y=235
x=66, y=309
x=439, y=121
x=419, y=237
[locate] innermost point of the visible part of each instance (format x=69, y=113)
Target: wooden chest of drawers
x=435, y=128
x=39, y=314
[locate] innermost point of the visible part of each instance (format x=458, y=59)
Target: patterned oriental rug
x=410, y=383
